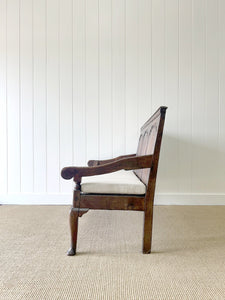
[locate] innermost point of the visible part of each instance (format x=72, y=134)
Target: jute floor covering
x=187, y=262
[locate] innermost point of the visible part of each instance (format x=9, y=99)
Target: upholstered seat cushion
x=120, y=182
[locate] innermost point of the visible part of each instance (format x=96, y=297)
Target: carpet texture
x=187, y=262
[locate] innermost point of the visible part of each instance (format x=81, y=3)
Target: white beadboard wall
x=78, y=78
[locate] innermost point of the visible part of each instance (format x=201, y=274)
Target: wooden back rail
x=145, y=165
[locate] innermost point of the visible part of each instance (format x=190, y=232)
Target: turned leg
x=147, y=239
x=73, y=228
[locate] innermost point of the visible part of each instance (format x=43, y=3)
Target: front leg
x=74, y=214
x=73, y=229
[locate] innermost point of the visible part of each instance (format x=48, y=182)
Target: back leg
x=147, y=238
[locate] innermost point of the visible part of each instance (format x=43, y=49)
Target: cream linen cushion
x=119, y=182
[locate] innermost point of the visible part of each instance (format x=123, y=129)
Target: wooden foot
x=147, y=239
x=73, y=229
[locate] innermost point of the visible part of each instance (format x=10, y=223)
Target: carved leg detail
x=73, y=229
x=82, y=211
x=147, y=239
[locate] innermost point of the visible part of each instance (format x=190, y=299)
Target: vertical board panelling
x=212, y=88
x=3, y=99
x=158, y=74
x=13, y=94
x=171, y=88
x=132, y=96
x=65, y=93
x=118, y=76
x=199, y=168
x=79, y=77
x=221, y=174
x=39, y=94
x=144, y=61
x=79, y=74
x=158, y=53
x=26, y=95
x=185, y=96
x=92, y=77
x=212, y=68
x=53, y=96
x=105, y=81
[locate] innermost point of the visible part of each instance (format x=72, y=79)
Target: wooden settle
x=145, y=165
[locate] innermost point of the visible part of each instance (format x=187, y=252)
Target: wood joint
x=77, y=186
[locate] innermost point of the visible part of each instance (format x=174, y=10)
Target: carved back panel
x=150, y=140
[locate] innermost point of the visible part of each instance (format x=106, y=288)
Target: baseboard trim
x=160, y=199
x=36, y=199
x=190, y=199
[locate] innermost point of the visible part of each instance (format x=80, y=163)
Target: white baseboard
x=36, y=199
x=160, y=199
x=190, y=199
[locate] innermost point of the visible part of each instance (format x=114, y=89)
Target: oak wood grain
x=130, y=163
x=92, y=163
x=112, y=202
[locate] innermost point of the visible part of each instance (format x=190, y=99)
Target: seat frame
x=83, y=202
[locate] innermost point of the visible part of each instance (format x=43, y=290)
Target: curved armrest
x=93, y=163
x=131, y=163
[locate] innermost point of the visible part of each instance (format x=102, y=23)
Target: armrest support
x=93, y=163
x=130, y=163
